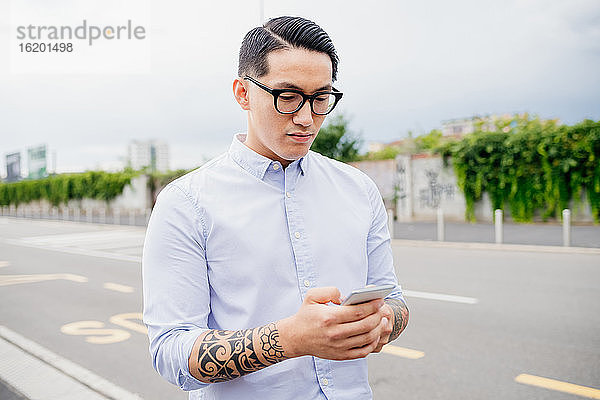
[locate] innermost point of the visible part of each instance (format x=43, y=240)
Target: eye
x=287, y=97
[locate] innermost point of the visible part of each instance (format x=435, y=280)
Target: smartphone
x=365, y=294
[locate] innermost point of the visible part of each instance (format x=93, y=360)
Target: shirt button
x=306, y=283
x=297, y=234
x=275, y=166
x=324, y=381
x=288, y=194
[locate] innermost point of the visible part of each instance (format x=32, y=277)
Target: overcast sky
x=404, y=66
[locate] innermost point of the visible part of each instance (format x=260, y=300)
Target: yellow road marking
x=402, y=352
x=4, y=264
x=6, y=280
x=118, y=288
x=123, y=320
x=92, y=329
x=553, y=384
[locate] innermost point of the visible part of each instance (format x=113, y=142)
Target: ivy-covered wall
x=529, y=165
x=60, y=189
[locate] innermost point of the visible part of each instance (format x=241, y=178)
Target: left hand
x=384, y=338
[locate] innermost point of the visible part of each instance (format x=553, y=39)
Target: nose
x=303, y=116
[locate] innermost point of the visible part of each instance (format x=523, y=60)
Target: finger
x=359, y=311
x=361, y=352
x=372, y=332
x=323, y=295
x=360, y=327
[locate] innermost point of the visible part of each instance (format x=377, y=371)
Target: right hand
x=329, y=332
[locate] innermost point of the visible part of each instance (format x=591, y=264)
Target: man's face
x=269, y=131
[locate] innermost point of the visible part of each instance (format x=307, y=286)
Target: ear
x=241, y=94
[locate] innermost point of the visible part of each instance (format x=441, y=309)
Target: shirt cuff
x=185, y=380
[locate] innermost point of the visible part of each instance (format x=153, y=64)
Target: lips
x=300, y=134
x=300, y=137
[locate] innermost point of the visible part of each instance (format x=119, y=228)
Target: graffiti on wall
x=431, y=196
x=400, y=184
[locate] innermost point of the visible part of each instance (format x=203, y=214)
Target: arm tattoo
x=400, y=317
x=220, y=355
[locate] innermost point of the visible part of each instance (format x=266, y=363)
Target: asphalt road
x=479, y=318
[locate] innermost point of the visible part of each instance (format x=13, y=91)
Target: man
x=247, y=257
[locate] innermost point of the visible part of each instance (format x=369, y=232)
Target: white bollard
x=441, y=229
x=566, y=215
x=498, y=225
x=390, y=214
x=131, y=217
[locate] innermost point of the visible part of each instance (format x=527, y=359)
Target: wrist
x=287, y=337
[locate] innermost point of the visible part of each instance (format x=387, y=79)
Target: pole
x=441, y=230
x=498, y=226
x=566, y=215
x=390, y=214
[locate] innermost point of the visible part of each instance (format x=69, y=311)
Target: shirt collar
x=255, y=163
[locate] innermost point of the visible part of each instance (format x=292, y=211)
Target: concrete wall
x=383, y=173
x=422, y=184
x=426, y=185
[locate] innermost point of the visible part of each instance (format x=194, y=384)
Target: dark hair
x=283, y=33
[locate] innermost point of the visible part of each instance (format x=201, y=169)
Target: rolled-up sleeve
x=379, y=247
x=175, y=284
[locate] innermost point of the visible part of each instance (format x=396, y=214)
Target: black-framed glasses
x=289, y=101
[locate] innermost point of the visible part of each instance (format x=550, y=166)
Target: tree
x=336, y=141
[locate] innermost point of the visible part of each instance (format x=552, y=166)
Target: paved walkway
x=532, y=234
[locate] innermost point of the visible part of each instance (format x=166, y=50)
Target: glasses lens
x=323, y=103
x=288, y=102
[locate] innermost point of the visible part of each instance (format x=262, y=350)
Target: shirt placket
x=305, y=269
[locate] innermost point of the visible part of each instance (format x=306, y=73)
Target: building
x=151, y=154
x=487, y=123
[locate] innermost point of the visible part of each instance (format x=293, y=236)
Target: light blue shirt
x=237, y=243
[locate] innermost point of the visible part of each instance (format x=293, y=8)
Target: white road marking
x=20, y=356
x=83, y=252
x=4, y=264
x=6, y=280
x=124, y=244
x=439, y=296
x=118, y=287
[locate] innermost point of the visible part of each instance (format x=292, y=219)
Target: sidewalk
x=530, y=234
x=8, y=393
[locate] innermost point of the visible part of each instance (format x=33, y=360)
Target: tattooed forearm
x=219, y=356
x=400, y=317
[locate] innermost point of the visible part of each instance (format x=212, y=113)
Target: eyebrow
x=288, y=85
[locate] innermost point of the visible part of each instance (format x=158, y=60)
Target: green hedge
x=528, y=165
x=61, y=188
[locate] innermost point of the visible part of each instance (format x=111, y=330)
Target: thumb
x=323, y=295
